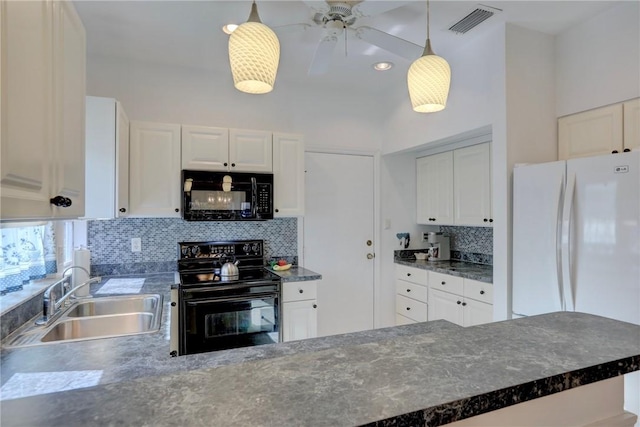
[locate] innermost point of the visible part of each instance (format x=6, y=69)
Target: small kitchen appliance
x=438, y=249
x=225, y=298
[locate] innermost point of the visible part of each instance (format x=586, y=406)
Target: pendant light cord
x=427, y=19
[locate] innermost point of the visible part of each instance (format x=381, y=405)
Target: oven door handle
x=231, y=299
x=273, y=288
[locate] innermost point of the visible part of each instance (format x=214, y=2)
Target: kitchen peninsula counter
x=428, y=373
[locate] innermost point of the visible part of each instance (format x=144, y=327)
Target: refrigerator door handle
x=567, y=223
x=561, y=191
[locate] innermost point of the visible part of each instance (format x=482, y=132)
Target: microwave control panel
x=264, y=199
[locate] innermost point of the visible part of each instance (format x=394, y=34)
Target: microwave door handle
x=254, y=197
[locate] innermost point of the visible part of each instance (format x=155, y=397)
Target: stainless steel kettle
x=229, y=271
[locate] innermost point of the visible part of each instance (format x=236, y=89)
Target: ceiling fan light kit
x=428, y=79
x=254, y=54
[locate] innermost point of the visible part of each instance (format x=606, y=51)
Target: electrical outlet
x=136, y=244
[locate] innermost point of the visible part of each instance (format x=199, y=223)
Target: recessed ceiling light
x=229, y=28
x=382, y=66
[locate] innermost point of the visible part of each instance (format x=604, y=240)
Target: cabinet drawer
x=401, y=320
x=411, y=274
x=446, y=283
x=299, y=291
x=478, y=290
x=411, y=290
x=411, y=308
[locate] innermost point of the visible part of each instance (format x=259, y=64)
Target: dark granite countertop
x=432, y=372
x=296, y=274
x=467, y=270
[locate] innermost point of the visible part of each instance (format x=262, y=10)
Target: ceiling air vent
x=475, y=17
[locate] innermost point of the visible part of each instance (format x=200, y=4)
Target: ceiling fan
x=339, y=17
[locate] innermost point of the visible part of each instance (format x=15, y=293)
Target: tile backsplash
x=472, y=244
x=110, y=241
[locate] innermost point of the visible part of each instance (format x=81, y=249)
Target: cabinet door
x=69, y=106
x=631, y=111
x=27, y=109
x=472, y=185
x=299, y=320
x=435, y=189
x=476, y=312
x=443, y=305
x=250, y=151
x=288, y=174
x=155, y=170
x=205, y=148
x=590, y=133
x=100, y=161
x=122, y=162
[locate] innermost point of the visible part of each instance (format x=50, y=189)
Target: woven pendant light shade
x=254, y=54
x=428, y=79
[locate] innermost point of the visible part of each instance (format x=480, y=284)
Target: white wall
x=598, y=61
x=469, y=103
x=189, y=96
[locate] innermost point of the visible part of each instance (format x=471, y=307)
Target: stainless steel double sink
x=104, y=317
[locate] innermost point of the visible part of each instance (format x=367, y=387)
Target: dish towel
x=121, y=286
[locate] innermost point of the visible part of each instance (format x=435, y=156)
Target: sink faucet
x=52, y=307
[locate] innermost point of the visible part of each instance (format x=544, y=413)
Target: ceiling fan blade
x=372, y=8
x=391, y=43
x=318, y=6
x=322, y=57
x=291, y=28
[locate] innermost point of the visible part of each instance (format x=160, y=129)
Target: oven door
x=222, y=322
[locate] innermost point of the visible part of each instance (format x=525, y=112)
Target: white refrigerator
x=576, y=241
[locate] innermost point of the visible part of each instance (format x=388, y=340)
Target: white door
x=250, y=150
x=205, y=148
x=472, y=185
x=476, y=312
x=338, y=222
x=446, y=306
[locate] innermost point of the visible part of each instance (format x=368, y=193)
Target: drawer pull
x=408, y=290
x=443, y=283
x=300, y=290
x=408, y=274
x=458, y=302
x=408, y=308
x=464, y=303
x=315, y=305
x=481, y=292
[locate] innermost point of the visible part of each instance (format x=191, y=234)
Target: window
x=28, y=252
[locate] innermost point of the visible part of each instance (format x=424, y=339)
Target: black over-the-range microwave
x=227, y=196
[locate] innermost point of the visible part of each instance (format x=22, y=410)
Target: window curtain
x=27, y=253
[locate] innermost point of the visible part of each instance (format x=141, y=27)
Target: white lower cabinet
x=464, y=302
x=411, y=295
x=299, y=310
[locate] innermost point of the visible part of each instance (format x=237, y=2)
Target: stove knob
x=256, y=248
x=246, y=248
x=195, y=251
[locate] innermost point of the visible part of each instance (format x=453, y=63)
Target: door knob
x=370, y=256
x=369, y=243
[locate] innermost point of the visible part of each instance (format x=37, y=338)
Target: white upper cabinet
x=42, y=110
x=631, y=130
x=472, y=185
x=107, y=159
x=250, y=151
x=222, y=149
x=435, y=189
x=205, y=148
x=288, y=174
x=154, y=189
x=590, y=133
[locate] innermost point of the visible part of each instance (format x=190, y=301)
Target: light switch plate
x=136, y=244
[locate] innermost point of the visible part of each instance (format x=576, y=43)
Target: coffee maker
x=438, y=249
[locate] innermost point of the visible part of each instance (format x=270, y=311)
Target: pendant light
x=254, y=53
x=428, y=79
